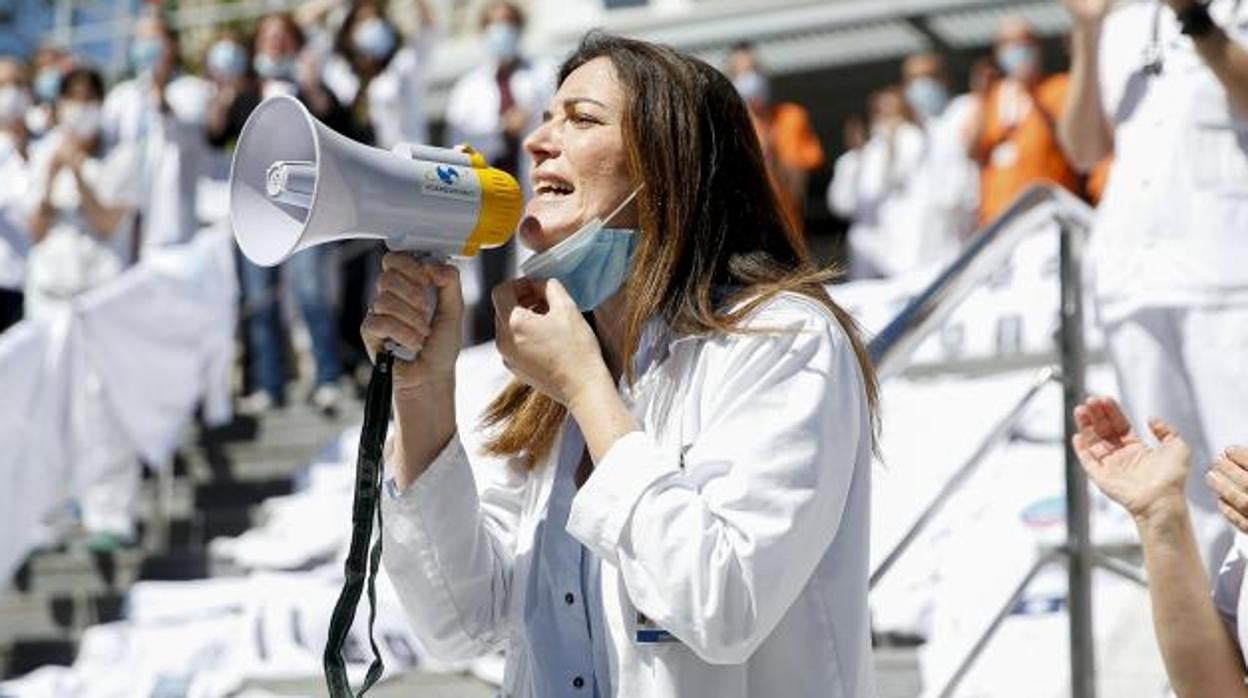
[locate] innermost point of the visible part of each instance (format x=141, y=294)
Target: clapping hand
x=1228, y=478
x=1142, y=478
x=1087, y=12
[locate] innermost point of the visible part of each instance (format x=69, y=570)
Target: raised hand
x=403, y=312
x=1087, y=11
x=545, y=341
x=1228, y=478
x=1142, y=478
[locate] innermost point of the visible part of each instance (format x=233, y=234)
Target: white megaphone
x=296, y=183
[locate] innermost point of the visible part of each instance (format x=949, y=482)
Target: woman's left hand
x=1229, y=480
x=545, y=341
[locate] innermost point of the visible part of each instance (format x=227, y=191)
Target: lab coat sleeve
x=843, y=189
x=716, y=551
x=471, y=116
x=449, y=551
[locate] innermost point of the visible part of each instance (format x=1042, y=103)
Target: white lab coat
x=875, y=186
x=14, y=236
x=912, y=198
x=173, y=148
x=33, y=447
x=1168, y=249
x=96, y=380
x=472, y=109
x=736, y=519
x=396, y=97
x=72, y=258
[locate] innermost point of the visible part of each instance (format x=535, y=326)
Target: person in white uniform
x=15, y=101
x=161, y=112
x=381, y=75
x=1202, y=638
x=946, y=196
x=81, y=220
x=684, y=511
x=491, y=108
x=874, y=186
x=1165, y=87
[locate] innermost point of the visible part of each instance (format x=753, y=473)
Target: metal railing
x=1033, y=213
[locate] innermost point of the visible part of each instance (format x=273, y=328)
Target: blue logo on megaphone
x=449, y=175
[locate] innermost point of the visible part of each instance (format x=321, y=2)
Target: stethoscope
x=1154, y=57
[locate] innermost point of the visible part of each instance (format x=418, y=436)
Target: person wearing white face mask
x=671, y=498
x=14, y=173
x=161, y=112
x=80, y=215
x=492, y=107
x=84, y=200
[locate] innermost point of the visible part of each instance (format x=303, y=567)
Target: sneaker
x=105, y=542
x=326, y=397
x=256, y=403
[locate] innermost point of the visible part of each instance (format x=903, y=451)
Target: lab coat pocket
x=1216, y=140
x=1218, y=158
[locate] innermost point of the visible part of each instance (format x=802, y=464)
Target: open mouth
x=552, y=187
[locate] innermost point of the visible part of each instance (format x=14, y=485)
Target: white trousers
x=109, y=473
x=1188, y=366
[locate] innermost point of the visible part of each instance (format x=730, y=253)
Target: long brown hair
x=710, y=219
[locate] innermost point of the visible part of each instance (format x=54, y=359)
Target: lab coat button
x=578, y=682
x=569, y=599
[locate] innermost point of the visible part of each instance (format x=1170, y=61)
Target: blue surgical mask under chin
x=1014, y=57
x=373, y=38
x=928, y=97
x=592, y=263
x=145, y=54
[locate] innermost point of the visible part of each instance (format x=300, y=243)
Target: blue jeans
x=308, y=273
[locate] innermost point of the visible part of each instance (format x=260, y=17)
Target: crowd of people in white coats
x=98, y=179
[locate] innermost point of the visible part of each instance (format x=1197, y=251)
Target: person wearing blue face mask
x=285, y=65
x=47, y=66
x=670, y=499
x=492, y=107
x=947, y=183
x=160, y=113
x=1014, y=126
x=381, y=74
x=229, y=66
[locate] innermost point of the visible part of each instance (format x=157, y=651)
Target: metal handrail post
x=1079, y=550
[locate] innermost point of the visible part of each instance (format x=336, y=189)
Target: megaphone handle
x=398, y=350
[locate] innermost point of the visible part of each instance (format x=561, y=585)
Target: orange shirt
x=792, y=150
x=790, y=138
x=1013, y=156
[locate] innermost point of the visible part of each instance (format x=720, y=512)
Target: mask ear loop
x=627, y=200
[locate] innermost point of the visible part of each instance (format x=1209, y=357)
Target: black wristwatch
x=1195, y=20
